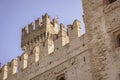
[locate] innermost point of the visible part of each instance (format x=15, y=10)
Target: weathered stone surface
x=52, y=54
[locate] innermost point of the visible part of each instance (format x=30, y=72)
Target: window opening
x=118, y=40
x=61, y=77
x=111, y=1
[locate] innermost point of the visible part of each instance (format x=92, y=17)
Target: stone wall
x=101, y=19
x=52, y=54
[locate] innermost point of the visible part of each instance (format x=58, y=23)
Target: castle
x=66, y=54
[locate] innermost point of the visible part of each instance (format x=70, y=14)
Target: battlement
x=39, y=30
x=39, y=40
x=12, y=67
x=42, y=29
x=46, y=34
x=3, y=72
x=75, y=27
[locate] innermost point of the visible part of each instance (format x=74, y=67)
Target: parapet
x=38, y=30
x=12, y=67
x=22, y=61
x=46, y=19
x=62, y=27
x=74, y=30
x=44, y=37
x=24, y=32
x=3, y=72
x=61, y=39
x=46, y=31
x=31, y=27
x=37, y=23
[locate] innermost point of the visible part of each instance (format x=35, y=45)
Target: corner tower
x=37, y=38
x=102, y=23
x=40, y=30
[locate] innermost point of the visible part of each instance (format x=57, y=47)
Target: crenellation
x=3, y=72
x=46, y=19
x=22, y=62
x=62, y=27
x=30, y=27
x=37, y=24
x=70, y=27
x=59, y=54
x=24, y=31
x=24, y=34
x=19, y=63
x=49, y=40
x=42, y=45
x=12, y=67
x=61, y=38
x=62, y=31
x=50, y=53
x=42, y=31
x=55, y=24
x=77, y=27
x=74, y=30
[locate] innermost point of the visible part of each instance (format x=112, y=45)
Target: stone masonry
x=66, y=54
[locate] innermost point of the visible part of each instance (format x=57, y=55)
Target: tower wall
x=97, y=16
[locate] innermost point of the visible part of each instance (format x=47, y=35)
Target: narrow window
x=56, y=36
x=118, y=40
x=119, y=76
x=111, y=1
x=84, y=58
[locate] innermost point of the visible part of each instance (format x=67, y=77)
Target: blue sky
x=15, y=14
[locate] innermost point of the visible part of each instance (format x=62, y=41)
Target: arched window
x=61, y=77
x=111, y=1
x=118, y=40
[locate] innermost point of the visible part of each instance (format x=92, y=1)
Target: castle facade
x=66, y=54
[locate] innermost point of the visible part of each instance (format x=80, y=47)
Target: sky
x=15, y=14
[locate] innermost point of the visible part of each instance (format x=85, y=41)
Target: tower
x=101, y=18
x=38, y=35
